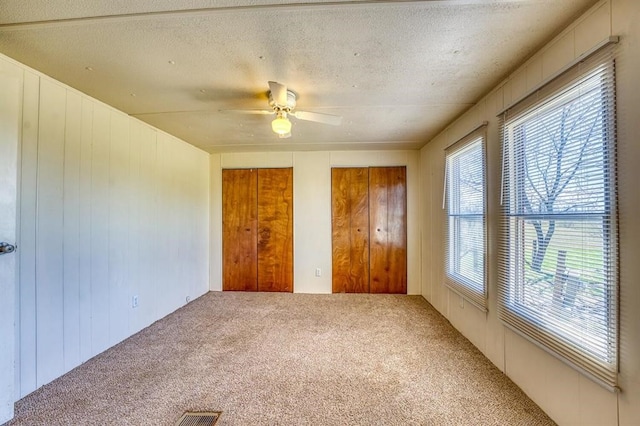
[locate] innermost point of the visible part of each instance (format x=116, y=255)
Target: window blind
x=465, y=204
x=558, y=261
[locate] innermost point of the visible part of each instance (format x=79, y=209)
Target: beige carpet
x=289, y=359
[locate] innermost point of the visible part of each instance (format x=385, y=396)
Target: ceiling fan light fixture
x=283, y=102
x=281, y=125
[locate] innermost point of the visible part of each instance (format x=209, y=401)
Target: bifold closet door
x=240, y=229
x=369, y=231
x=257, y=230
x=275, y=230
x=388, y=229
x=350, y=229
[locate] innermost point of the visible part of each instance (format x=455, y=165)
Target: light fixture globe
x=281, y=125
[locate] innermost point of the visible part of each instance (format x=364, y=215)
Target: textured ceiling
x=397, y=72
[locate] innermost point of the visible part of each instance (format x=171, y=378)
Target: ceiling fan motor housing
x=291, y=102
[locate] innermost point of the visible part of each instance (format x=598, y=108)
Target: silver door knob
x=6, y=248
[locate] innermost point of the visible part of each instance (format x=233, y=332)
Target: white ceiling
x=398, y=72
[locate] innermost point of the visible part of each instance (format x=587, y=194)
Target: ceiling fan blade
x=249, y=111
x=334, y=120
x=278, y=93
x=285, y=136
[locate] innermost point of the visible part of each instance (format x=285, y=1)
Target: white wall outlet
x=188, y=299
x=318, y=272
x=134, y=301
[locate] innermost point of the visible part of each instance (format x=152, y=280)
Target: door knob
x=6, y=248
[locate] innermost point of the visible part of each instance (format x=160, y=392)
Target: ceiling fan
x=283, y=102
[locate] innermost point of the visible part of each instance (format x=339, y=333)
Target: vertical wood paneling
x=201, y=211
x=387, y=215
x=147, y=229
x=168, y=200
x=425, y=229
x=118, y=248
x=179, y=221
x=557, y=388
x=96, y=197
x=71, y=242
x=27, y=235
x=350, y=230
x=84, y=275
x=197, y=180
x=49, y=233
x=11, y=88
x=441, y=292
x=100, y=299
x=163, y=215
x=275, y=230
x=557, y=54
x=239, y=229
x=180, y=226
x=166, y=235
x=593, y=29
x=312, y=224
x=215, y=223
x=135, y=201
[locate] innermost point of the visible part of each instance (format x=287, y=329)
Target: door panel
x=350, y=230
x=239, y=230
x=275, y=230
x=387, y=212
x=340, y=224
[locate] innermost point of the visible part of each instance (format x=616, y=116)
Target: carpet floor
x=288, y=359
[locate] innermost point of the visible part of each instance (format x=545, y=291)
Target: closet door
x=275, y=230
x=239, y=230
x=388, y=229
x=350, y=230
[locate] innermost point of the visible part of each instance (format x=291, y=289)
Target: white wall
x=111, y=208
x=11, y=83
x=567, y=396
x=312, y=209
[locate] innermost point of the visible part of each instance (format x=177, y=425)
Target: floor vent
x=204, y=418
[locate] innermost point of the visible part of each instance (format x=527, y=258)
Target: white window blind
x=465, y=204
x=559, y=250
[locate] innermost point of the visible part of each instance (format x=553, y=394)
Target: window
x=559, y=258
x=465, y=229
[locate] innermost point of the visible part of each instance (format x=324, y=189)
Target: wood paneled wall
x=11, y=89
x=569, y=397
x=369, y=230
x=110, y=209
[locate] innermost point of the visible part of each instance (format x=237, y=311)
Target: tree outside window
x=560, y=234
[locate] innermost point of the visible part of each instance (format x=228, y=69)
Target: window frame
x=474, y=292
x=550, y=335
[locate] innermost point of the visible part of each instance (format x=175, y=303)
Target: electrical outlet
x=188, y=299
x=134, y=301
x=318, y=272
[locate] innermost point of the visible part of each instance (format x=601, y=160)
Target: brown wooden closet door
x=350, y=230
x=275, y=230
x=388, y=229
x=239, y=230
